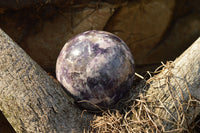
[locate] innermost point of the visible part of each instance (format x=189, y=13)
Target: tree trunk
x=30, y=99
x=34, y=102
x=175, y=91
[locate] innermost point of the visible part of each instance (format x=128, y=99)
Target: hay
x=143, y=115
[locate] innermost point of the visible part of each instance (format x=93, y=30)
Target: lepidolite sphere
x=96, y=68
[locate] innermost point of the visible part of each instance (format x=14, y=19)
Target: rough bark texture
x=34, y=102
x=175, y=90
x=30, y=99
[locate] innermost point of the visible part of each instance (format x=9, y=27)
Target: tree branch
x=30, y=99
x=176, y=88
x=34, y=102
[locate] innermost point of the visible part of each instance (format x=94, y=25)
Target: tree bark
x=34, y=102
x=175, y=91
x=30, y=99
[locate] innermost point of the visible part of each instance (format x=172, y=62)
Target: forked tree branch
x=33, y=102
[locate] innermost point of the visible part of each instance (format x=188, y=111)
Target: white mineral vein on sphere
x=96, y=66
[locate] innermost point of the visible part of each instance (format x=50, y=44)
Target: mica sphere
x=96, y=68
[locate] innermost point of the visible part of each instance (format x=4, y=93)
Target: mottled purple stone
x=96, y=66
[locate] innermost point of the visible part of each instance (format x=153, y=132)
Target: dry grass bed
x=143, y=115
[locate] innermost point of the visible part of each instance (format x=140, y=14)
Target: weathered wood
x=175, y=90
x=30, y=99
x=34, y=102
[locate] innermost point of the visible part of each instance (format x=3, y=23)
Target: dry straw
x=141, y=114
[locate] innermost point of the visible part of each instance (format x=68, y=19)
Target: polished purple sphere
x=96, y=68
